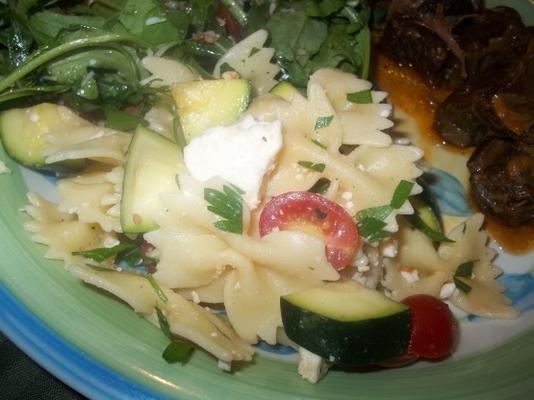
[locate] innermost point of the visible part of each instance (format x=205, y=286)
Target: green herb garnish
x=122, y=121
x=321, y=186
x=323, y=122
x=322, y=146
x=318, y=167
x=227, y=204
x=464, y=270
x=157, y=288
x=361, y=97
x=177, y=350
x=371, y=220
x=226, y=68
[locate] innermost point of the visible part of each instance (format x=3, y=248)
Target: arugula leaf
x=319, y=167
x=147, y=20
x=323, y=8
x=321, y=186
x=323, y=122
x=228, y=205
x=361, y=97
x=121, y=120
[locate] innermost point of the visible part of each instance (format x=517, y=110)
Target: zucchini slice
x=285, y=90
x=22, y=131
x=347, y=323
x=205, y=104
x=152, y=164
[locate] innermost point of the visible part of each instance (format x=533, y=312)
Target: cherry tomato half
x=434, y=331
x=312, y=212
x=434, y=328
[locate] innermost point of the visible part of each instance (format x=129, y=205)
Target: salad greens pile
x=87, y=54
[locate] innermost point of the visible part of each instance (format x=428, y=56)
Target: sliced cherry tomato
x=434, y=328
x=434, y=331
x=313, y=212
x=232, y=26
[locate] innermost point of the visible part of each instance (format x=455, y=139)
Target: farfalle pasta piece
x=166, y=72
x=61, y=232
x=252, y=61
x=185, y=318
x=486, y=297
x=435, y=268
x=91, y=197
x=362, y=123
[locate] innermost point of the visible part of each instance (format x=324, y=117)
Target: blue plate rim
x=62, y=359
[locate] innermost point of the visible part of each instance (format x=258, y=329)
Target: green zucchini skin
x=347, y=343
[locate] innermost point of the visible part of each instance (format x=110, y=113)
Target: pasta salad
x=243, y=210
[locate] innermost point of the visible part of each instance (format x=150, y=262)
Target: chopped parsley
x=228, y=205
x=318, y=167
x=464, y=270
x=371, y=220
x=321, y=186
x=157, y=288
x=323, y=122
x=322, y=146
x=177, y=350
x=361, y=97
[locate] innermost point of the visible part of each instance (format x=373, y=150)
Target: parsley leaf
x=103, y=253
x=371, y=220
x=177, y=350
x=227, y=204
x=321, y=186
x=401, y=194
x=319, y=167
x=322, y=146
x=464, y=270
x=323, y=122
x=361, y=97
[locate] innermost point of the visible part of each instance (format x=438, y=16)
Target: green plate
x=98, y=345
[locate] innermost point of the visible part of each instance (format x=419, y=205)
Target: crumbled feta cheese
x=4, y=169
x=349, y=205
x=346, y=196
x=389, y=247
x=410, y=275
x=195, y=297
x=363, y=268
x=311, y=366
x=447, y=290
x=241, y=154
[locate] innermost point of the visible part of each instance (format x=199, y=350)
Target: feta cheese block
x=241, y=154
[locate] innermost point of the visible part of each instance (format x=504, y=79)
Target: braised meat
x=486, y=58
x=502, y=180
